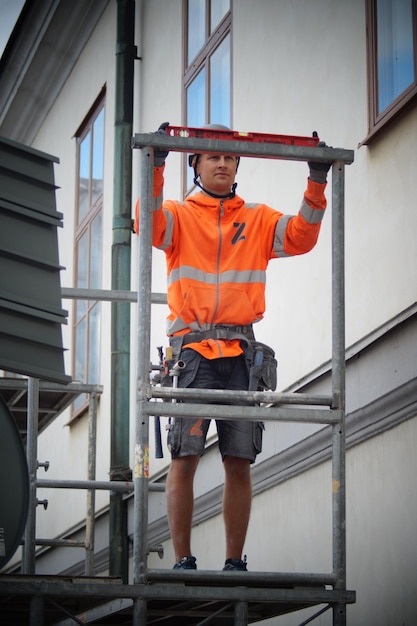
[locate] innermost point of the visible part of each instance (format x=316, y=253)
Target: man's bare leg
x=180, y=502
x=237, y=499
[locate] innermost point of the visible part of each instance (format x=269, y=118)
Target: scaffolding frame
x=225, y=597
x=332, y=411
x=33, y=387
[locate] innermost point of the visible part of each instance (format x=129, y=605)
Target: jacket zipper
x=221, y=213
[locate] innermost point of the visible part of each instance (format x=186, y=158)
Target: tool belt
x=220, y=332
x=260, y=358
x=244, y=333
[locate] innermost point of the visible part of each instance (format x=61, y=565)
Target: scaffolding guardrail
x=333, y=413
x=292, y=407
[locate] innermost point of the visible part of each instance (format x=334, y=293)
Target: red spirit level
x=233, y=135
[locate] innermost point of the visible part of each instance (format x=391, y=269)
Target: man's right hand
x=160, y=155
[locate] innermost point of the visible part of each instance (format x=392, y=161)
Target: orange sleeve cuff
x=158, y=184
x=314, y=195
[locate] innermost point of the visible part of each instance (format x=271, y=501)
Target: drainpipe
x=121, y=263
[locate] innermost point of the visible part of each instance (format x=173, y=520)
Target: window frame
x=212, y=41
x=379, y=121
x=202, y=61
x=82, y=228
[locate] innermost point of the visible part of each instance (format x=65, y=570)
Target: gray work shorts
x=238, y=438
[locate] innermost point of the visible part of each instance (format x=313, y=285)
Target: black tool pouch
x=262, y=371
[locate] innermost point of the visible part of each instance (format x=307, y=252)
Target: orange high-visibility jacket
x=217, y=252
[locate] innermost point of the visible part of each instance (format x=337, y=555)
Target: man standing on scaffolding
x=217, y=250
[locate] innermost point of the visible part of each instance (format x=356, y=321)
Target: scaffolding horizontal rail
x=250, y=579
x=44, y=385
x=229, y=395
x=60, y=543
x=263, y=414
x=108, y=295
x=85, y=589
x=109, y=485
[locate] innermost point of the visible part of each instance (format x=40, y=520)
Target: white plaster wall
x=382, y=243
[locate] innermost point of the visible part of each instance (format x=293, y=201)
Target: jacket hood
x=201, y=199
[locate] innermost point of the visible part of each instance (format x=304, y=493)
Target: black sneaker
x=187, y=562
x=235, y=565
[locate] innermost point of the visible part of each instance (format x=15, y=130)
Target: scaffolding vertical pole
x=338, y=387
x=37, y=615
x=240, y=614
x=91, y=493
x=141, y=471
x=28, y=560
x=139, y=612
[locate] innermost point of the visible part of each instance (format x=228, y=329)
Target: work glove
x=160, y=155
x=319, y=169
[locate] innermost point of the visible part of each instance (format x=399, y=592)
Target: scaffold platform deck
x=180, y=598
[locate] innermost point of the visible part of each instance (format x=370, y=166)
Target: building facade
x=347, y=70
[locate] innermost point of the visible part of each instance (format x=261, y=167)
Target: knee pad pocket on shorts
x=174, y=437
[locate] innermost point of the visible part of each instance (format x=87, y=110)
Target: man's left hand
x=319, y=169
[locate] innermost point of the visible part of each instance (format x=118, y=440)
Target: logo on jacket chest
x=238, y=236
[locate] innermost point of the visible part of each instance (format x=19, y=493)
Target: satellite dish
x=14, y=486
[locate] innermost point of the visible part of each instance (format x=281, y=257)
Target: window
x=207, y=66
x=392, y=56
x=88, y=250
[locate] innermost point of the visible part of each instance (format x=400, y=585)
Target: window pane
x=94, y=345
x=79, y=367
x=82, y=250
x=196, y=110
x=82, y=265
x=196, y=27
x=88, y=250
x=80, y=354
x=80, y=309
x=219, y=8
x=84, y=177
x=220, y=84
x=78, y=402
x=95, y=252
x=395, y=49
x=98, y=156
x=196, y=100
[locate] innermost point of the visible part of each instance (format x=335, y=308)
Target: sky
x=9, y=12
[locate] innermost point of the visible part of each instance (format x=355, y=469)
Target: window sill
x=394, y=114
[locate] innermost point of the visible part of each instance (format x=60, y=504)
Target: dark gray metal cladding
x=30, y=291
x=14, y=486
